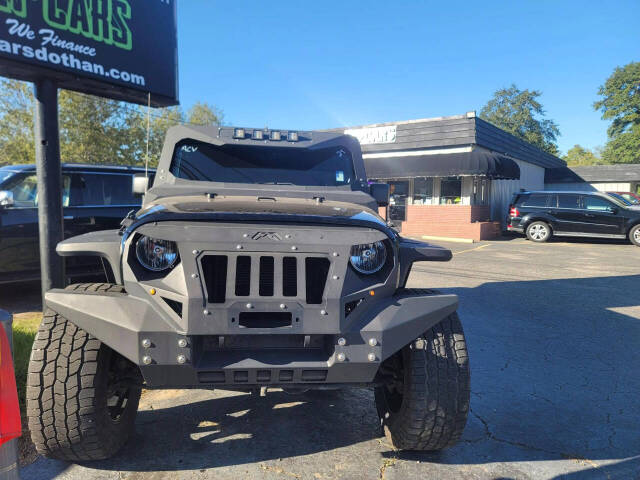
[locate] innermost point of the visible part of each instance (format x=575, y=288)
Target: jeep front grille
x=227, y=276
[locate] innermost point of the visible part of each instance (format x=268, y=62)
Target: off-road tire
x=634, y=235
x=434, y=402
x=538, y=232
x=69, y=377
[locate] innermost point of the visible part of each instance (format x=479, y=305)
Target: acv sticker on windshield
x=339, y=176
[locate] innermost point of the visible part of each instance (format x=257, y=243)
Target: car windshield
x=630, y=198
x=326, y=167
x=619, y=199
x=5, y=175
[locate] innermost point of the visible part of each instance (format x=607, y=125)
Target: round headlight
x=368, y=257
x=156, y=255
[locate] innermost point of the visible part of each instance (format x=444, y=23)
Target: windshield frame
x=613, y=197
x=354, y=183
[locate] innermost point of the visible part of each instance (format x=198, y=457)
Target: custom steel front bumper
x=169, y=357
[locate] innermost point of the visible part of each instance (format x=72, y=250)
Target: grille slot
x=316, y=271
x=289, y=277
x=229, y=276
x=266, y=277
x=243, y=276
x=175, y=305
x=215, y=272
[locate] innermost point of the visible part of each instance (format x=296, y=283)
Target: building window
x=451, y=191
x=422, y=191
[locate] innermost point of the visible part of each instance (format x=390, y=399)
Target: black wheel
x=634, y=235
x=82, y=397
x=425, y=400
x=538, y=232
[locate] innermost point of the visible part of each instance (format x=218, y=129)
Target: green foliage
x=16, y=123
x=24, y=329
x=92, y=129
x=578, y=155
x=620, y=103
x=521, y=114
x=204, y=114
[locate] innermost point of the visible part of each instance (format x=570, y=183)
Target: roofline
x=471, y=114
x=577, y=192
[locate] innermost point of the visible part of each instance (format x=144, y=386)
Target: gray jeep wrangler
x=258, y=260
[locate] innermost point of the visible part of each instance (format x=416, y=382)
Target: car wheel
x=424, y=402
x=634, y=235
x=538, y=232
x=82, y=397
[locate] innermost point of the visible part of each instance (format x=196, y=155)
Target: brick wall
x=458, y=221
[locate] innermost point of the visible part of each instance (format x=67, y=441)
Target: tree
x=16, y=123
x=521, y=114
x=92, y=129
x=578, y=155
x=620, y=103
x=205, y=114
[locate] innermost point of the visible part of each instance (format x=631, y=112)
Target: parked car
x=632, y=198
x=93, y=197
x=540, y=215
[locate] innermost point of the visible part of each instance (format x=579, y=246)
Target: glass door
x=399, y=193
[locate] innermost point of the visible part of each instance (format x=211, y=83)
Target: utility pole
x=49, y=173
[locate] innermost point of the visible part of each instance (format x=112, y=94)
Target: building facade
x=451, y=176
x=604, y=178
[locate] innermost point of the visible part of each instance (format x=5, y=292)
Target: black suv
x=93, y=198
x=572, y=214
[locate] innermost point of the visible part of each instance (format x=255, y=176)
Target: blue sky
x=309, y=65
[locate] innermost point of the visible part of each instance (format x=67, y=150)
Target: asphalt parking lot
x=553, y=332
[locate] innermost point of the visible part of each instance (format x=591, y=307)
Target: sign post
x=49, y=173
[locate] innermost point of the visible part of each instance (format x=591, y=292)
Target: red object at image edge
x=10, y=426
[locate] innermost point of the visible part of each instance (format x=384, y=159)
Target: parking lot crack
x=567, y=456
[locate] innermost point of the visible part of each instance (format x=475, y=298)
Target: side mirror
x=6, y=198
x=380, y=192
x=140, y=184
x=613, y=210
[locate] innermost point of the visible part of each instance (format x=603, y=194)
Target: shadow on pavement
x=554, y=377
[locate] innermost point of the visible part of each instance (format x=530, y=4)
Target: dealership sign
x=371, y=135
x=121, y=49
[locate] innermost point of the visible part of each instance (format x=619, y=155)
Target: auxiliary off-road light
x=258, y=135
x=368, y=257
x=156, y=255
x=292, y=136
x=239, y=133
x=10, y=426
x=275, y=135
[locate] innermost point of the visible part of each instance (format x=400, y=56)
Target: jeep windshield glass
x=326, y=167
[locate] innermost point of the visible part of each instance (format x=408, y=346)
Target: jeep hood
x=261, y=209
x=253, y=204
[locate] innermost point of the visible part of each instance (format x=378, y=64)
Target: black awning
x=476, y=163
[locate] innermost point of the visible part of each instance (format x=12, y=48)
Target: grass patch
x=25, y=326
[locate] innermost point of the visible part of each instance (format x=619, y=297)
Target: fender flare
x=105, y=244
